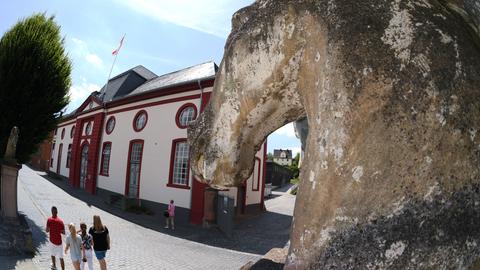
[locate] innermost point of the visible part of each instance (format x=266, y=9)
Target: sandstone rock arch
x=391, y=93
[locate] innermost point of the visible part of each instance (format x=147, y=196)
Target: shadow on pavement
x=23, y=261
x=252, y=234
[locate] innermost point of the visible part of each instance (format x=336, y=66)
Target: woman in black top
x=101, y=241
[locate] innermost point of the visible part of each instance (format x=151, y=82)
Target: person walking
x=87, y=243
x=171, y=215
x=74, y=243
x=101, y=241
x=56, y=228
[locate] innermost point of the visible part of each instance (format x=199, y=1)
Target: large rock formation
x=391, y=91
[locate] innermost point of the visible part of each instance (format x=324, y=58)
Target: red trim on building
x=262, y=199
x=95, y=139
x=102, y=159
x=66, y=124
x=172, y=161
x=134, y=123
x=127, y=176
x=259, y=176
x=85, y=104
x=111, y=118
x=198, y=189
x=151, y=104
x=59, y=159
x=179, y=112
x=73, y=174
x=165, y=92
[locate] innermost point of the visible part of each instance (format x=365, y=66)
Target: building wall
x=158, y=134
x=65, y=141
x=283, y=161
x=41, y=159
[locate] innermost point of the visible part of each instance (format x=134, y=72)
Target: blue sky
x=162, y=35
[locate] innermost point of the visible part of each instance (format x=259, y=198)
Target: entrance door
x=134, y=167
x=83, y=166
x=59, y=160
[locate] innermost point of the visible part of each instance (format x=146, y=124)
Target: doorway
x=59, y=161
x=84, y=166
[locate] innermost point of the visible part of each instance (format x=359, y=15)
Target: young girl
x=101, y=241
x=171, y=215
x=75, y=244
x=87, y=244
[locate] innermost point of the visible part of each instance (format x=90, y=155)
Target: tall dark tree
x=34, y=82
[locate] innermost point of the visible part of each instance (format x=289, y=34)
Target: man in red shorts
x=56, y=228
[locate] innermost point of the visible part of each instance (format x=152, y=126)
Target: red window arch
x=140, y=120
x=110, y=126
x=186, y=113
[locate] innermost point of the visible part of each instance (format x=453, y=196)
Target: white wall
x=158, y=134
x=254, y=197
x=66, y=141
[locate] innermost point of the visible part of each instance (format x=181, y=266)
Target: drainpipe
x=201, y=96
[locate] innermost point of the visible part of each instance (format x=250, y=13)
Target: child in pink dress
x=171, y=215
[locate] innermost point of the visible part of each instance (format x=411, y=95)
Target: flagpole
x=113, y=64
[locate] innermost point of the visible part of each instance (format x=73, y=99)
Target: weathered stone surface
x=391, y=92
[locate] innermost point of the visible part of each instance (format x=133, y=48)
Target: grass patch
x=294, y=181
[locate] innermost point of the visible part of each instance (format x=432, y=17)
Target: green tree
x=34, y=82
x=294, y=167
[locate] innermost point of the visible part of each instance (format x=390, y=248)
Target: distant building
x=40, y=160
x=282, y=157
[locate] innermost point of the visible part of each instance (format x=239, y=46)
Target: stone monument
x=9, y=176
x=391, y=94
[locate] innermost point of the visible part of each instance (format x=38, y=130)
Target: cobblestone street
x=133, y=246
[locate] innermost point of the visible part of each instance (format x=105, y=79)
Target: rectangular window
x=107, y=148
x=134, y=167
x=179, y=164
x=53, y=151
x=69, y=155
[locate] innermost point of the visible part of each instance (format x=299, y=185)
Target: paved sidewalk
x=133, y=246
x=144, y=244
x=268, y=230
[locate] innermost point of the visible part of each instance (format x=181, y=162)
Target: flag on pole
x=115, y=52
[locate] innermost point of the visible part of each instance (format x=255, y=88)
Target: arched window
x=179, y=164
x=88, y=128
x=107, y=149
x=72, y=132
x=140, y=120
x=63, y=133
x=110, y=125
x=186, y=114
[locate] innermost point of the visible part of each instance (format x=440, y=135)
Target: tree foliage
x=34, y=82
x=294, y=167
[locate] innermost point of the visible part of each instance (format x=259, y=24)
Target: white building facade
x=128, y=143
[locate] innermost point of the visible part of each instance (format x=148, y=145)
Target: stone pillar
x=9, y=174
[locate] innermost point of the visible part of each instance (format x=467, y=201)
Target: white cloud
x=81, y=50
x=210, y=16
x=93, y=59
x=78, y=93
x=287, y=130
